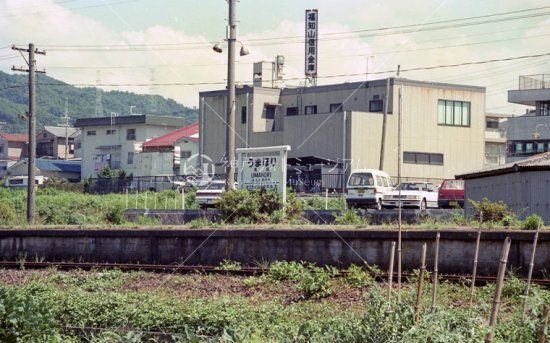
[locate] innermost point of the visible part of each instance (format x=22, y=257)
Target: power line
x=74, y=8
x=383, y=31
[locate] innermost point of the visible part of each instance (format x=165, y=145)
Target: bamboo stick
x=476, y=255
x=530, y=274
x=390, y=271
x=498, y=289
x=435, y=280
x=543, y=324
x=420, y=284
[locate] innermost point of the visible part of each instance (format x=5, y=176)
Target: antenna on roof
x=98, y=103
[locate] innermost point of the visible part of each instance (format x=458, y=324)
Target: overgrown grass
x=62, y=307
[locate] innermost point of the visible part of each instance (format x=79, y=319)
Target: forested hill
x=50, y=103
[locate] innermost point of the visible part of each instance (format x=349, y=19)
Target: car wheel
x=423, y=205
x=379, y=205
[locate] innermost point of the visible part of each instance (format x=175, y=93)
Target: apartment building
x=113, y=141
x=13, y=147
x=529, y=134
x=56, y=142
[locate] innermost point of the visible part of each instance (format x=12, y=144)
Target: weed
x=532, y=222
x=358, y=277
x=490, y=211
x=201, y=223
x=229, y=265
x=350, y=217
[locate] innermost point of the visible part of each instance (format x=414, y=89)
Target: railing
x=541, y=81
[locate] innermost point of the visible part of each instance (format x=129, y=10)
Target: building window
x=312, y=109
x=111, y=132
x=243, y=114
x=130, y=157
x=90, y=133
x=131, y=134
x=491, y=124
x=336, y=108
x=44, y=135
x=186, y=154
x=269, y=112
x=422, y=158
x=453, y=113
x=1, y=149
x=292, y=111
x=376, y=106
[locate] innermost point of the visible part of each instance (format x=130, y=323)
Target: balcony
x=532, y=88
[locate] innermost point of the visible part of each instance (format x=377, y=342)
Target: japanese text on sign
x=311, y=42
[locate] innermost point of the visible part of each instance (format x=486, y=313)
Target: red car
x=451, y=194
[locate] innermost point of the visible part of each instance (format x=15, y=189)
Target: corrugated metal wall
x=525, y=192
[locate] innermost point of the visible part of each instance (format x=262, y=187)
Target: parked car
x=23, y=181
x=413, y=194
x=366, y=187
x=451, y=194
x=207, y=196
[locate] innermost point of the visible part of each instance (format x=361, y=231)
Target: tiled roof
x=19, y=137
x=536, y=162
x=190, y=132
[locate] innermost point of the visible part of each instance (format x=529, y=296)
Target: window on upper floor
x=1, y=149
x=292, y=111
x=491, y=124
x=422, y=158
x=111, y=132
x=311, y=109
x=90, y=133
x=336, y=108
x=376, y=106
x=130, y=134
x=269, y=111
x=186, y=154
x=130, y=157
x=453, y=113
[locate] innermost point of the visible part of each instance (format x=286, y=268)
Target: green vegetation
x=50, y=102
x=350, y=217
x=532, y=222
x=241, y=206
x=493, y=212
x=112, y=306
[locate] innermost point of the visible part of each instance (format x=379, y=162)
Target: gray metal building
x=523, y=185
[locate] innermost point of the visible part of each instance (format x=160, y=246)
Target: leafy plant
x=115, y=215
x=350, y=217
x=510, y=221
x=358, y=277
x=532, y=222
x=490, y=211
x=229, y=265
x=7, y=214
x=315, y=282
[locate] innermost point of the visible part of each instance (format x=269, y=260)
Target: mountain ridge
x=50, y=103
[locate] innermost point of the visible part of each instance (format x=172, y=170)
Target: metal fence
x=540, y=81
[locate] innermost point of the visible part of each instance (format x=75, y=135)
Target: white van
x=366, y=187
x=23, y=181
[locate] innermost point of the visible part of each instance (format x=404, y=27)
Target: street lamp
x=230, y=125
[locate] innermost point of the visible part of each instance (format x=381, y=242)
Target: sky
x=165, y=46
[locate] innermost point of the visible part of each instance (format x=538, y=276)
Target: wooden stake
x=390, y=271
x=498, y=289
x=530, y=274
x=543, y=324
x=474, y=271
x=420, y=284
x=435, y=280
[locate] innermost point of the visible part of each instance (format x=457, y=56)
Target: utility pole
x=66, y=126
x=31, y=187
x=230, y=128
x=384, y=119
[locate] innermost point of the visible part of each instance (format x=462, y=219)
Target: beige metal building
x=443, y=125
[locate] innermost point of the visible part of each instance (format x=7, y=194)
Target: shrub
x=350, y=217
x=115, y=215
x=315, y=282
x=491, y=211
x=24, y=319
x=532, y=222
x=358, y=277
x=7, y=214
x=510, y=221
x=283, y=270
x=258, y=206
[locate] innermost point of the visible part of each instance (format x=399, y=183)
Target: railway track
x=245, y=271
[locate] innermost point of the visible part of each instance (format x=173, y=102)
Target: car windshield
x=216, y=186
x=412, y=186
x=361, y=179
x=453, y=184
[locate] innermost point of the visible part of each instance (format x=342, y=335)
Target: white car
x=207, y=196
x=420, y=195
